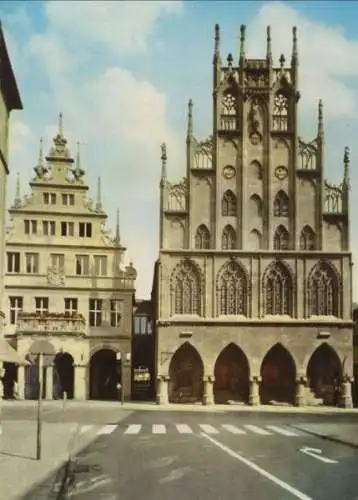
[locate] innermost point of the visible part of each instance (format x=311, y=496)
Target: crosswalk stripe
x=209, y=429
x=133, y=429
x=184, y=429
x=159, y=429
x=281, y=430
x=85, y=428
x=233, y=429
x=257, y=430
x=107, y=429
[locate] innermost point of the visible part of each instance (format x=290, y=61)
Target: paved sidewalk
x=22, y=476
x=339, y=433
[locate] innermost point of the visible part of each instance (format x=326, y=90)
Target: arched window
x=186, y=289
x=280, y=112
x=202, y=237
x=281, y=239
x=323, y=291
x=229, y=204
x=232, y=290
x=281, y=205
x=307, y=239
x=228, y=240
x=278, y=290
x=256, y=205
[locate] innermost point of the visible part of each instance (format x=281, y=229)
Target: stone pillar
x=162, y=390
x=49, y=382
x=127, y=380
x=21, y=382
x=345, y=398
x=254, y=396
x=80, y=382
x=208, y=395
x=300, y=398
x=2, y=373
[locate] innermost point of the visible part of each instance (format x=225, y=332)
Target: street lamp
x=122, y=356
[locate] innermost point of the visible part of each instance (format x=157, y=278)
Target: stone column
x=49, y=382
x=254, y=396
x=345, y=398
x=2, y=373
x=208, y=395
x=80, y=382
x=162, y=390
x=21, y=382
x=300, y=398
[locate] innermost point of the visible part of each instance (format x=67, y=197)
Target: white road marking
x=281, y=430
x=257, y=430
x=209, y=429
x=233, y=429
x=133, y=429
x=107, y=429
x=85, y=428
x=184, y=429
x=263, y=472
x=159, y=429
x=316, y=453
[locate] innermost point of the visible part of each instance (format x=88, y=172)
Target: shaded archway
x=8, y=380
x=32, y=370
x=324, y=373
x=63, y=375
x=232, y=376
x=186, y=375
x=105, y=374
x=278, y=374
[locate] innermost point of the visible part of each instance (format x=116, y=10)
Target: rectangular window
x=46, y=197
x=49, y=198
x=67, y=228
x=95, y=312
x=82, y=265
x=49, y=227
x=71, y=305
x=142, y=325
x=32, y=263
x=116, y=313
x=13, y=262
x=100, y=265
x=41, y=305
x=68, y=199
x=137, y=325
x=85, y=230
x=57, y=261
x=30, y=226
x=16, y=305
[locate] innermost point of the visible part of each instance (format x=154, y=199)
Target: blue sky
x=122, y=74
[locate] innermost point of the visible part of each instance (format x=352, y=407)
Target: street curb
x=333, y=439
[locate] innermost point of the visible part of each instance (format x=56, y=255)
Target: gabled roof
x=8, y=83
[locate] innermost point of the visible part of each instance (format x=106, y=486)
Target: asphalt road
x=216, y=456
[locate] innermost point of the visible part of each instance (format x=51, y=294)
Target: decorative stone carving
x=55, y=277
x=50, y=323
x=254, y=124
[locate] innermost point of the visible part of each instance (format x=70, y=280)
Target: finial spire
x=242, y=42
x=78, y=159
x=346, y=161
x=190, y=118
x=60, y=124
x=41, y=153
x=294, y=59
x=217, y=44
x=117, y=237
x=99, y=195
x=164, y=162
x=18, y=191
x=268, y=45
x=320, y=131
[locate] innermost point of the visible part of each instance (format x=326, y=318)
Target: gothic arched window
x=278, y=290
x=281, y=205
x=228, y=240
x=281, y=239
x=232, y=290
x=280, y=112
x=202, y=237
x=323, y=291
x=307, y=239
x=229, y=203
x=186, y=289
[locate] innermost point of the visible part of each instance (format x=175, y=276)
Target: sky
x=122, y=73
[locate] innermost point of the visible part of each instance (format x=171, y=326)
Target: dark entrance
x=231, y=376
x=186, y=375
x=32, y=370
x=104, y=375
x=63, y=376
x=278, y=373
x=324, y=374
x=9, y=380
